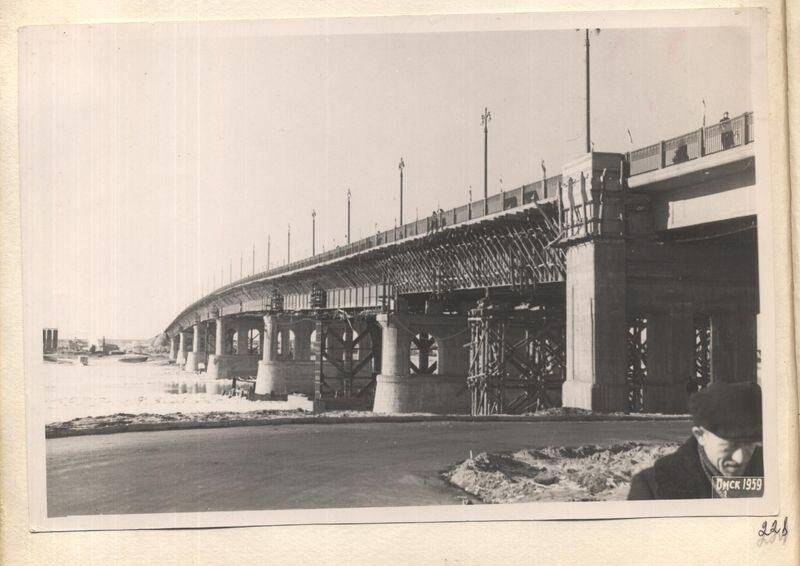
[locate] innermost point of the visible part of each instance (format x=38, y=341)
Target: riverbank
x=143, y=422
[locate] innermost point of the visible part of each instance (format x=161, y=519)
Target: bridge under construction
x=623, y=283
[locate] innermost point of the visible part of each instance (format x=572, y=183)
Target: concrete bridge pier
x=302, y=340
x=173, y=349
x=592, y=210
x=596, y=327
x=213, y=365
x=284, y=374
x=244, y=363
x=223, y=363
x=269, y=349
x=193, y=355
x=435, y=386
x=180, y=359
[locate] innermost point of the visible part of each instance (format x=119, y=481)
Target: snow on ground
x=586, y=473
x=107, y=387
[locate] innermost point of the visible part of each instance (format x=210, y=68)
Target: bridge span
x=621, y=284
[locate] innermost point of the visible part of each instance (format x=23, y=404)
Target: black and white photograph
x=397, y=269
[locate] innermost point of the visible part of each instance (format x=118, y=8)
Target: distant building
x=49, y=340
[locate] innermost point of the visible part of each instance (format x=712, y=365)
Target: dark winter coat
x=680, y=475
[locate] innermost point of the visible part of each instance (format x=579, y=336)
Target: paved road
x=295, y=466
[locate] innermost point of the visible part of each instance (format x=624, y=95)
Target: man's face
x=729, y=457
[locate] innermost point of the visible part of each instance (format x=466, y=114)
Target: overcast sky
x=154, y=155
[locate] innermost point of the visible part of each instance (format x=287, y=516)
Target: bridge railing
x=525, y=194
x=723, y=135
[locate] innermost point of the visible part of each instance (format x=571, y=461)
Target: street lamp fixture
x=485, y=119
x=313, y=232
x=348, y=216
x=401, y=166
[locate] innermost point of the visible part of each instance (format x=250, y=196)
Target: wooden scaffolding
x=517, y=358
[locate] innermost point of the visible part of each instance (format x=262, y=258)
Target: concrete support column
x=286, y=344
x=242, y=342
x=181, y=359
x=392, y=393
x=302, y=341
x=596, y=326
x=269, y=347
x=219, y=337
x=670, y=361
x=173, y=351
x=733, y=346
x=213, y=365
x=191, y=357
x=395, y=350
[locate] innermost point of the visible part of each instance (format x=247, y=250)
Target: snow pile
x=140, y=421
x=585, y=473
x=127, y=422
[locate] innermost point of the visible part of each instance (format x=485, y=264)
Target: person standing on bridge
x=725, y=442
x=726, y=132
x=433, y=222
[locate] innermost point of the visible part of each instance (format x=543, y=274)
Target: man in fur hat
x=725, y=441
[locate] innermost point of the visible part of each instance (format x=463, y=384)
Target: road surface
x=296, y=466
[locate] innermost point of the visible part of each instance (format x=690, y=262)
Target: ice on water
x=107, y=386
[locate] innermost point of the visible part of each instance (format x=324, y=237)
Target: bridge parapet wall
x=591, y=197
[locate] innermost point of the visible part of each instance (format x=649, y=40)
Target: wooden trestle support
x=517, y=359
x=636, y=374
x=352, y=349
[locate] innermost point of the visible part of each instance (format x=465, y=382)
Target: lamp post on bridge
x=588, y=91
x=485, y=119
x=289, y=245
x=401, y=166
x=269, y=245
x=313, y=232
x=544, y=179
x=348, y=216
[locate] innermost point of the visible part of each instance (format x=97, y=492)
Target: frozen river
x=107, y=386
